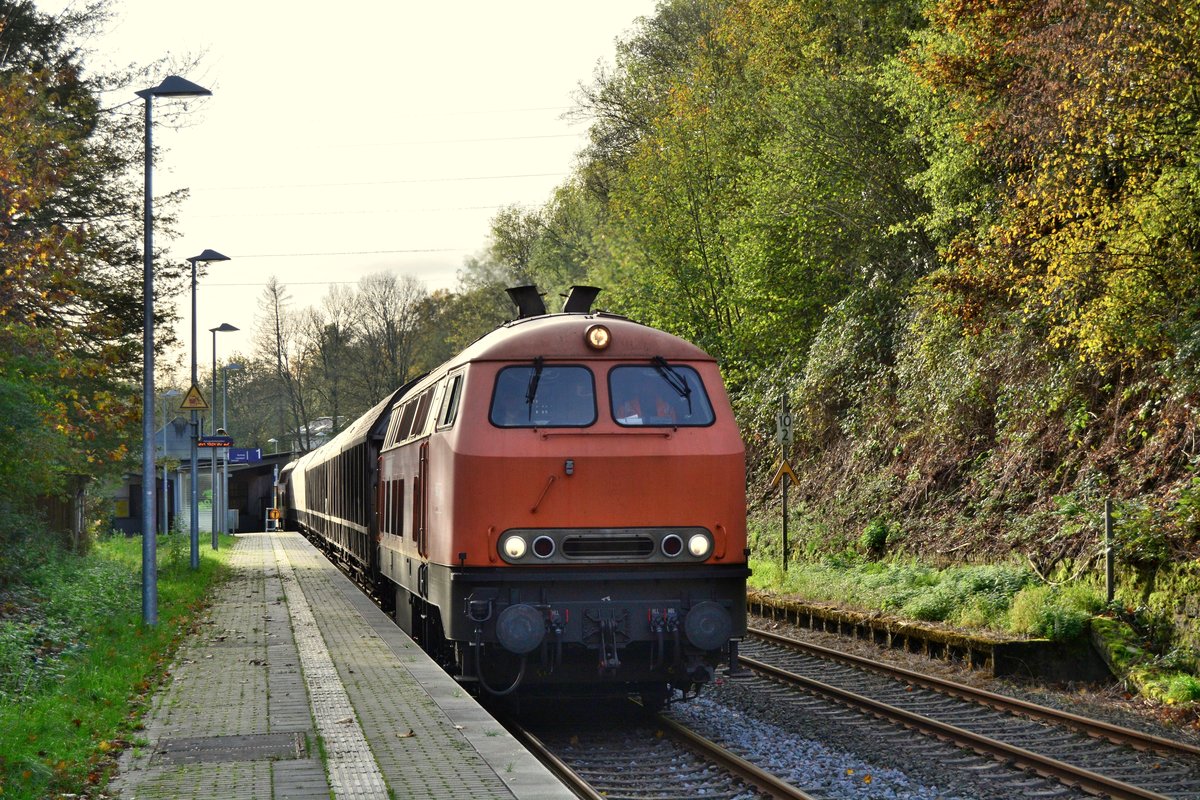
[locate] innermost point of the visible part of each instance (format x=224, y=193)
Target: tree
x=330, y=334
x=389, y=307
x=1082, y=118
x=70, y=267
x=276, y=344
x=768, y=179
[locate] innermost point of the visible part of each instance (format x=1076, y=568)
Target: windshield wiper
x=534, y=380
x=673, y=379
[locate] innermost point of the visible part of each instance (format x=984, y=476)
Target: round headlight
x=699, y=545
x=672, y=545
x=543, y=547
x=514, y=547
x=598, y=337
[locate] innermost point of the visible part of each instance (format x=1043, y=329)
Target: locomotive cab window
x=542, y=396
x=450, y=399
x=658, y=394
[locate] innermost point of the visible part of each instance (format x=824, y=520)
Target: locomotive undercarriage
x=578, y=631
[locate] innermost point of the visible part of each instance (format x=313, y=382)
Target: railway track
x=652, y=758
x=1097, y=757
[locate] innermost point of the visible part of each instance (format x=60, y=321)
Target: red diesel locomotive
x=559, y=507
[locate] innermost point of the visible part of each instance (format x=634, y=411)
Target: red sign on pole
x=215, y=441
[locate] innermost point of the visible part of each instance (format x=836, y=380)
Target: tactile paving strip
x=353, y=772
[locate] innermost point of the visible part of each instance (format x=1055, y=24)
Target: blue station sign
x=245, y=455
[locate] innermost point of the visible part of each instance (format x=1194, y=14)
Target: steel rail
x=570, y=778
x=1068, y=774
x=1092, y=727
x=745, y=770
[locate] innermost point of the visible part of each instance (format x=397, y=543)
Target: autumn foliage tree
x=70, y=319
x=1084, y=117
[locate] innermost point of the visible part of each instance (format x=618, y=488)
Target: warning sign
x=784, y=470
x=193, y=400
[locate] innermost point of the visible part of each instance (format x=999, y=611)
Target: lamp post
x=274, y=445
x=206, y=256
x=172, y=86
x=224, y=327
x=225, y=424
x=167, y=395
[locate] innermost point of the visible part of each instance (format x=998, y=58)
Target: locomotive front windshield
x=658, y=394
x=540, y=396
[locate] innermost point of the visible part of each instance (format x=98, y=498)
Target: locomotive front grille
x=607, y=547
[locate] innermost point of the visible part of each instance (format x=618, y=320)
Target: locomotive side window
x=536, y=395
x=422, y=412
x=393, y=425
x=406, y=419
x=449, y=410
x=658, y=394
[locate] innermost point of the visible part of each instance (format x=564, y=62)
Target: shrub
x=932, y=605
x=874, y=538
x=1182, y=689
x=1058, y=613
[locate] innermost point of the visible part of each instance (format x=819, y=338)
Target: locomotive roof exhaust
x=579, y=299
x=529, y=301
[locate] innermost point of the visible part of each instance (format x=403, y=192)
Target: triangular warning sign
x=193, y=401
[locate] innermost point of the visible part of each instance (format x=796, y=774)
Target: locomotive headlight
x=514, y=547
x=699, y=545
x=598, y=337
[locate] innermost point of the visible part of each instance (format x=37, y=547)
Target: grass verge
x=77, y=666
x=1003, y=598
x=1007, y=599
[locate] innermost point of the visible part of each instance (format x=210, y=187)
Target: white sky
x=356, y=137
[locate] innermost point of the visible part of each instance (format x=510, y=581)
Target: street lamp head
x=224, y=327
x=174, y=86
x=171, y=393
x=234, y=366
x=209, y=255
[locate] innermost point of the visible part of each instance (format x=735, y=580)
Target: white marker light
x=514, y=547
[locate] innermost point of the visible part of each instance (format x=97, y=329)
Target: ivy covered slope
x=1047, y=361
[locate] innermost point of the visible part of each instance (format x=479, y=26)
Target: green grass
x=1004, y=598
x=77, y=666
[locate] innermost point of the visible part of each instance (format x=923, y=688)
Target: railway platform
x=296, y=686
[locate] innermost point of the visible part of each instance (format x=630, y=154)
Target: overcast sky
x=349, y=138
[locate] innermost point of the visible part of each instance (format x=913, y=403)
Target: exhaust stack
x=579, y=299
x=528, y=301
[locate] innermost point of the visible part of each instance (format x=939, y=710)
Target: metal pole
x=1110, y=556
x=165, y=518
x=149, y=540
x=225, y=460
x=786, y=481
x=171, y=86
x=215, y=449
x=195, y=476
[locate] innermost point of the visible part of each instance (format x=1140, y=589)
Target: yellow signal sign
x=193, y=400
x=785, y=469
